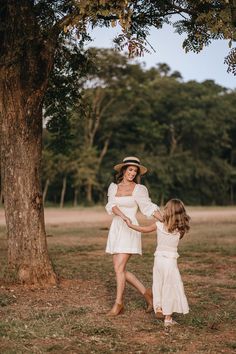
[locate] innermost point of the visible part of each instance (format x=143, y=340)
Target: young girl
x=168, y=290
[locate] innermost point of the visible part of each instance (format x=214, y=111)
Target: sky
x=208, y=64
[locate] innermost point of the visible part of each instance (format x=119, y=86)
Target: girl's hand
x=157, y=215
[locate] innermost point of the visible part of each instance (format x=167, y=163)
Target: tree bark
x=89, y=193
x=63, y=192
x=21, y=150
x=26, y=63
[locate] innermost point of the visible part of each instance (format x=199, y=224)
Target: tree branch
x=104, y=149
x=64, y=21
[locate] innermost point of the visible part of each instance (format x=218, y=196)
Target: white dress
x=122, y=239
x=168, y=289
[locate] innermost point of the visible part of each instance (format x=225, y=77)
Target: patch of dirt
x=97, y=215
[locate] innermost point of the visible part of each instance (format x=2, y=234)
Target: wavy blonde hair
x=175, y=217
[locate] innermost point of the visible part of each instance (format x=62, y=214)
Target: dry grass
x=71, y=318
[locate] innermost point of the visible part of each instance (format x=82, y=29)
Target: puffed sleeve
x=144, y=202
x=111, y=198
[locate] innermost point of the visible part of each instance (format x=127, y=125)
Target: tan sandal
x=116, y=310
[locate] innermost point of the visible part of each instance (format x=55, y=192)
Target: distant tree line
x=184, y=132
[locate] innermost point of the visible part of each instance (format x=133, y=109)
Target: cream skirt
x=168, y=289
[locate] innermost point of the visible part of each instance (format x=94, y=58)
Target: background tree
x=183, y=131
x=48, y=171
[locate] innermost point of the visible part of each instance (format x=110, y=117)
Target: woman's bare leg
x=119, y=261
x=147, y=293
x=131, y=278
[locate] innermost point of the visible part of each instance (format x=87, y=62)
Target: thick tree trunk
x=1, y=198
x=63, y=192
x=45, y=190
x=26, y=62
x=21, y=155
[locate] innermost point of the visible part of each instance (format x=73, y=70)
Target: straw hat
x=131, y=160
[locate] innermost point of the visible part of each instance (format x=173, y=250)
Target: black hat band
x=131, y=161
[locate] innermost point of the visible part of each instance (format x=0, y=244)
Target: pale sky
x=208, y=64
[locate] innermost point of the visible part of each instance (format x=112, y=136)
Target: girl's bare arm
x=144, y=229
x=157, y=215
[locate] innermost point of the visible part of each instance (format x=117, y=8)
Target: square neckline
x=124, y=196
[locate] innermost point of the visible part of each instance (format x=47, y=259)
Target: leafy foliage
x=202, y=21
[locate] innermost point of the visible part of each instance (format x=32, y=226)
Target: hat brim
x=142, y=169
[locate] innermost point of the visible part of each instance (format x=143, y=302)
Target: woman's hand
x=128, y=222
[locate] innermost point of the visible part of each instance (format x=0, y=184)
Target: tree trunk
x=162, y=199
x=63, y=192
x=21, y=155
x=1, y=198
x=231, y=193
x=45, y=190
x=75, y=197
x=26, y=63
x=89, y=193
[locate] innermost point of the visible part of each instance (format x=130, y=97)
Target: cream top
x=140, y=197
x=167, y=243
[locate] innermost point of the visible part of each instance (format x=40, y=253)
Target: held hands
x=128, y=221
x=157, y=215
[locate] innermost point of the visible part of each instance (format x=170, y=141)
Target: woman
x=124, y=199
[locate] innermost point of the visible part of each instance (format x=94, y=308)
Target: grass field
x=71, y=318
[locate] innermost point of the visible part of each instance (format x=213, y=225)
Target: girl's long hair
x=120, y=175
x=175, y=217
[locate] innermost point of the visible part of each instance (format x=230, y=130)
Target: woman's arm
x=144, y=229
x=146, y=206
x=118, y=212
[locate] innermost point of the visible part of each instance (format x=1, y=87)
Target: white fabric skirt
x=122, y=239
x=168, y=289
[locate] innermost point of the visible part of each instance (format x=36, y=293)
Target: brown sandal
x=148, y=297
